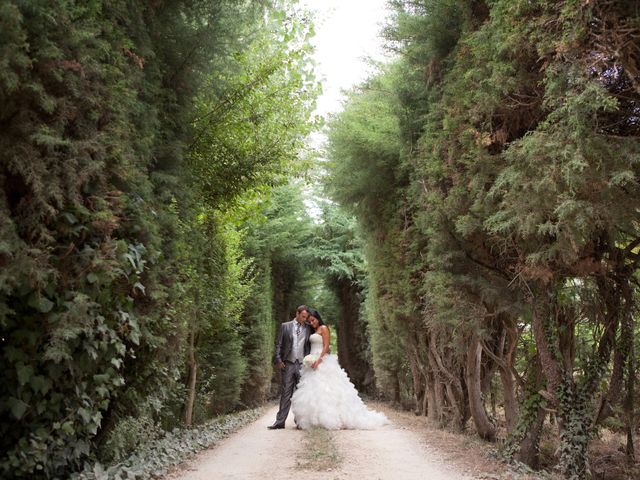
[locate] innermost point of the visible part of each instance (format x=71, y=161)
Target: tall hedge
x=112, y=215
x=503, y=241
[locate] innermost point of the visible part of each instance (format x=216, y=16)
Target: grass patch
x=319, y=451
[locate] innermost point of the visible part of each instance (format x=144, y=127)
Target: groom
x=292, y=344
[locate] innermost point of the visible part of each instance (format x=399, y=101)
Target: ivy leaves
x=40, y=303
x=154, y=456
x=17, y=407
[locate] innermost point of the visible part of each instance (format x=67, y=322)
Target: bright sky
x=347, y=31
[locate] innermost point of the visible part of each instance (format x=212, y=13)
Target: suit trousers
x=290, y=378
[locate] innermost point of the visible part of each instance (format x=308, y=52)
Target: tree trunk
x=396, y=389
x=628, y=347
x=550, y=366
x=573, y=401
x=613, y=394
x=457, y=420
x=417, y=377
x=531, y=419
x=452, y=387
x=510, y=402
x=191, y=383
x=426, y=402
x=352, y=339
x=566, y=339
x=435, y=391
x=503, y=358
x=528, y=449
x=484, y=427
x=629, y=399
x=440, y=402
x=487, y=371
x=506, y=375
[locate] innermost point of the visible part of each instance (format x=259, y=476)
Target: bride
x=325, y=396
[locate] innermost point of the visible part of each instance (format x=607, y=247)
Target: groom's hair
x=301, y=308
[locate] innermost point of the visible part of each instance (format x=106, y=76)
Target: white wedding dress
x=326, y=398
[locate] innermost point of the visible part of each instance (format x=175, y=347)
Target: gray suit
x=291, y=371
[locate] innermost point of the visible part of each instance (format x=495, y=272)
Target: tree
x=337, y=248
x=117, y=266
x=502, y=231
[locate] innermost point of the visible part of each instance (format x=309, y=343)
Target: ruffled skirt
x=326, y=398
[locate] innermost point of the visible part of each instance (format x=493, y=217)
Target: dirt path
x=254, y=452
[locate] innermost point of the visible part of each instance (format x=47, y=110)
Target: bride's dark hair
x=315, y=313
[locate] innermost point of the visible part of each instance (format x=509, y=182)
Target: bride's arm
x=324, y=333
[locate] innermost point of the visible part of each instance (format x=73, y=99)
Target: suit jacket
x=284, y=340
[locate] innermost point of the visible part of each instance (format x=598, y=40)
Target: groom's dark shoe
x=275, y=426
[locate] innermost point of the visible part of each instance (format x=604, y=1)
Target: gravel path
x=255, y=453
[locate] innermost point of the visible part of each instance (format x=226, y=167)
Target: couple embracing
x=314, y=386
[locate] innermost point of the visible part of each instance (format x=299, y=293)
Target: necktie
x=297, y=330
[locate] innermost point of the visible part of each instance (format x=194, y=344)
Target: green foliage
x=493, y=167
x=251, y=119
x=338, y=253
x=338, y=247
x=365, y=151
x=529, y=411
x=154, y=457
x=277, y=237
x=127, y=436
x=114, y=243
x=79, y=250
x=214, y=283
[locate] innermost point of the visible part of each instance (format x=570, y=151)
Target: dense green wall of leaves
x=129, y=133
x=493, y=167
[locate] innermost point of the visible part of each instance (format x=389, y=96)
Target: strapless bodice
x=316, y=343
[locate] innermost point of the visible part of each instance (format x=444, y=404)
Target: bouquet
x=309, y=360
